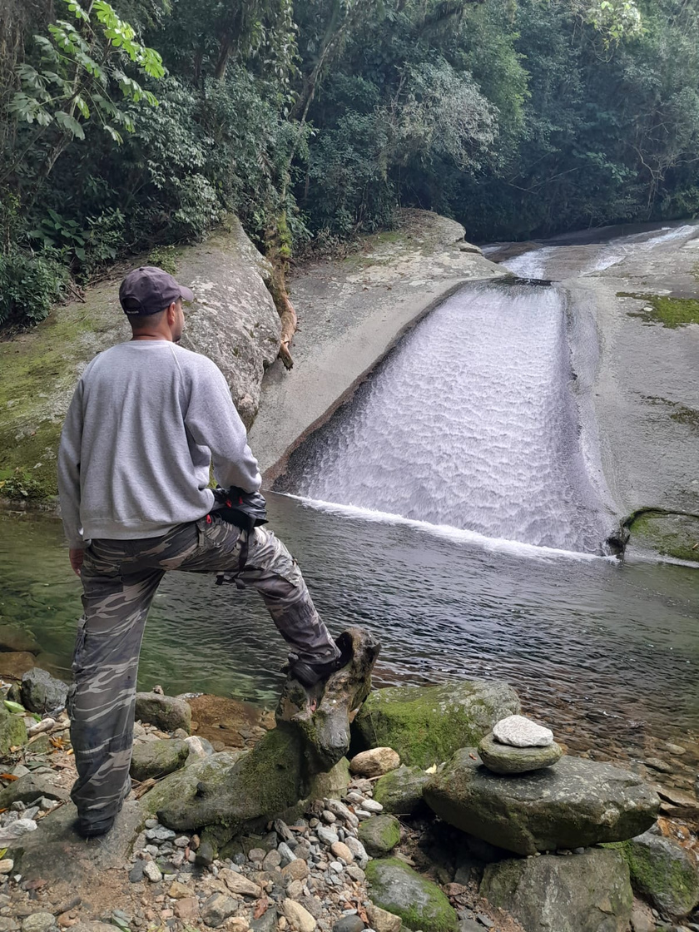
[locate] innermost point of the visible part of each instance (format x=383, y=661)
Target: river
x=606, y=651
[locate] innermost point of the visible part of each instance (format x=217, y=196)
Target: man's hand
x=76, y=556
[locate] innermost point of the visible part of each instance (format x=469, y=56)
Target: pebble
x=160, y=834
x=370, y=805
x=257, y=854
x=375, y=763
x=152, y=872
x=181, y=842
x=340, y=850
x=38, y=922
x=286, y=852
x=351, y=923
x=272, y=860
x=328, y=816
x=297, y=916
x=336, y=866
x=363, y=813
x=7, y=865
x=326, y=835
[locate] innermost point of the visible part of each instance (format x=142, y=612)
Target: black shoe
x=309, y=674
x=94, y=829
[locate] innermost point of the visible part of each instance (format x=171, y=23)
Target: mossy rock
x=379, y=835
x=400, y=791
x=427, y=724
x=182, y=784
x=669, y=534
x=418, y=901
x=664, y=872
x=158, y=758
x=664, y=309
x=13, y=731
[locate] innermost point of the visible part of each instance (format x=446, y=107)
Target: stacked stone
x=518, y=745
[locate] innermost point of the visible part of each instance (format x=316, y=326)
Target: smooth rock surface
x=521, y=732
x=588, y=892
x=577, y=803
x=664, y=872
x=30, y=788
x=165, y=712
x=400, y=791
x=298, y=917
x=506, y=758
x=381, y=920
x=427, y=724
x=419, y=902
x=375, y=762
x=42, y=692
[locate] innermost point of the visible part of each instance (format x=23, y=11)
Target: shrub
x=29, y=285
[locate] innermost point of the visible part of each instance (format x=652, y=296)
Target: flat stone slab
x=521, y=732
x=55, y=852
x=504, y=758
x=577, y=803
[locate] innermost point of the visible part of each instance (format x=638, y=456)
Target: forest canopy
x=132, y=125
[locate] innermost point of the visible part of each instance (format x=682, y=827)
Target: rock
x=380, y=835
x=268, y=921
x=340, y=850
x=357, y=849
x=327, y=836
x=381, y=920
x=7, y=865
x=298, y=917
x=427, y=724
x=13, y=638
x=152, y=872
x=505, y=758
x=349, y=924
x=158, y=758
x=664, y=872
x=321, y=722
x=93, y=926
x=400, y=791
x=198, y=747
x=642, y=919
x=295, y=870
x=42, y=692
x=217, y=908
x=374, y=763
x=419, y=902
x=16, y=663
x=29, y=788
x=165, y=712
x=521, y=732
x=240, y=885
x=11, y=834
x=372, y=806
x=39, y=922
x=575, y=804
x=13, y=731
x=187, y=908
x=334, y=783
x=589, y=892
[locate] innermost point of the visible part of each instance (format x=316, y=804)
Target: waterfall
x=470, y=422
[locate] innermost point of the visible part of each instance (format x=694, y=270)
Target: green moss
x=13, y=731
x=418, y=901
x=664, y=872
x=379, y=835
x=670, y=534
x=670, y=312
x=165, y=257
x=689, y=416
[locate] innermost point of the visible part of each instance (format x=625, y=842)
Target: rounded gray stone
x=39, y=922
x=505, y=758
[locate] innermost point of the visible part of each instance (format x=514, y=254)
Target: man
x=146, y=420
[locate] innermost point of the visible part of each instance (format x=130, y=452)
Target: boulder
x=13, y=731
x=400, y=791
x=589, y=892
x=14, y=638
x=165, y=712
x=332, y=784
x=158, y=758
x=30, y=788
x=375, y=762
x=664, y=872
x=15, y=664
x=181, y=785
x=427, y=724
x=574, y=804
x=505, y=758
x=42, y=692
x=419, y=902
x=379, y=835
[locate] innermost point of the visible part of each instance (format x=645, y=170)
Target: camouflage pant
x=120, y=579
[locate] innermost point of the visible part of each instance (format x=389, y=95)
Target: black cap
x=149, y=290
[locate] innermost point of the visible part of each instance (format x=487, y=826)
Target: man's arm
x=69, y=477
x=213, y=422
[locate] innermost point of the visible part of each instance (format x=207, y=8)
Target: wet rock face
x=426, y=725
x=42, y=692
x=588, y=892
x=574, y=804
x=663, y=871
x=419, y=902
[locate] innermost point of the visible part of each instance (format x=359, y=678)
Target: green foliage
x=29, y=285
x=21, y=487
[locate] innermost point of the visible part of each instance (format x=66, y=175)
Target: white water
x=470, y=424
x=535, y=263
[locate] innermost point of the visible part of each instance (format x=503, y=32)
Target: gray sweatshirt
x=146, y=420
